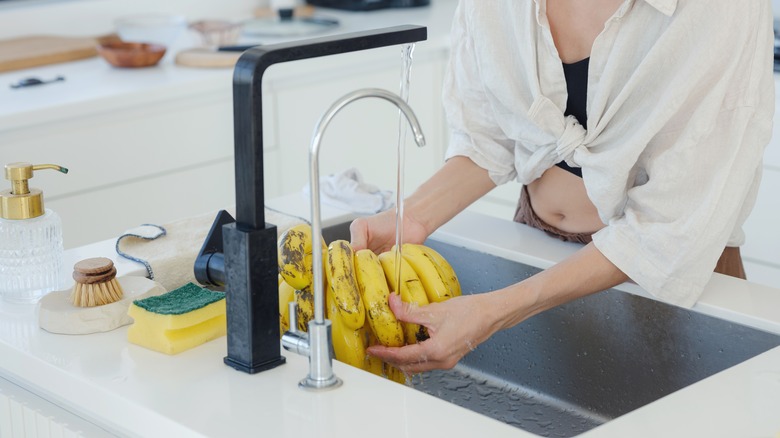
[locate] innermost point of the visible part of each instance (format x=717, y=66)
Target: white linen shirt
x=680, y=105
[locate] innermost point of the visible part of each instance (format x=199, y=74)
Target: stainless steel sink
x=577, y=366
x=574, y=367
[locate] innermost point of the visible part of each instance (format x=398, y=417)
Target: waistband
x=524, y=214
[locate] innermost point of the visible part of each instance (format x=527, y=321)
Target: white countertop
x=137, y=392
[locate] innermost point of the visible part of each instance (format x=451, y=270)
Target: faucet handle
x=295, y=340
x=209, y=265
x=292, y=307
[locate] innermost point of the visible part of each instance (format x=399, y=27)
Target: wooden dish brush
x=96, y=283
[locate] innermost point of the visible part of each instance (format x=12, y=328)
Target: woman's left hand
x=458, y=325
x=455, y=327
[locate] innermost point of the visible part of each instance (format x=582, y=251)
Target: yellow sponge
x=178, y=320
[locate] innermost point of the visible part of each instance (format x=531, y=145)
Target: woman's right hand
x=455, y=186
x=377, y=232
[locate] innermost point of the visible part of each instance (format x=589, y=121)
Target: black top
x=577, y=86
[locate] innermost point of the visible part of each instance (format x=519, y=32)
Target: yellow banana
x=341, y=277
x=431, y=278
x=295, y=256
x=304, y=298
x=286, y=294
x=394, y=374
x=373, y=364
x=411, y=291
x=443, y=266
x=374, y=292
x=349, y=346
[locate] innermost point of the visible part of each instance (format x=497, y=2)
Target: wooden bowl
x=131, y=55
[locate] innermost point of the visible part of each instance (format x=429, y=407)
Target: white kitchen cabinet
x=365, y=133
x=500, y=202
x=156, y=145
x=762, y=241
x=153, y=163
x=26, y=415
x=171, y=156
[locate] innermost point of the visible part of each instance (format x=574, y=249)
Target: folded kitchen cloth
x=168, y=251
x=348, y=191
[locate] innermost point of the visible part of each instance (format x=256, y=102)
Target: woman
x=677, y=98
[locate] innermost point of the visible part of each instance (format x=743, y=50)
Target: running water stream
x=407, y=51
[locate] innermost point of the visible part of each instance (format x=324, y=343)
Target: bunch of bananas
x=357, y=287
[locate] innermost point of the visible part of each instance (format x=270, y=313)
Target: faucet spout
x=318, y=345
x=314, y=175
x=250, y=253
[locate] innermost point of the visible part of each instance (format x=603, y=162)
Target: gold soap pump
x=22, y=202
x=30, y=238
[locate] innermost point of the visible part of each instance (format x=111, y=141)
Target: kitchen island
x=126, y=390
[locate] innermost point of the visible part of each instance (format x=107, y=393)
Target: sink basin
x=579, y=365
x=574, y=367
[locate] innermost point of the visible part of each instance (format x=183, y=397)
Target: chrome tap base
x=310, y=384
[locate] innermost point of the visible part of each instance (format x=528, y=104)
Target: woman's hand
x=458, y=325
x=377, y=232
x=455, y=327
x=454, y=187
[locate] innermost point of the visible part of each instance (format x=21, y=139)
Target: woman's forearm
x=459, y=183
x=449, y=191
x=584, y=273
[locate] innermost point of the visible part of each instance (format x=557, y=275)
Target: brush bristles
x=96, y=294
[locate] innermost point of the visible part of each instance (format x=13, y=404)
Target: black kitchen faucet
x=247, y=266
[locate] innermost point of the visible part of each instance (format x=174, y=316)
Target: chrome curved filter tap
x=317, y=344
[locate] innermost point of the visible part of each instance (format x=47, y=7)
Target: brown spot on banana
x=421, y=334
x=341, y=277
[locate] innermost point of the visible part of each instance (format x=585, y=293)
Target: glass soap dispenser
x=30, y=238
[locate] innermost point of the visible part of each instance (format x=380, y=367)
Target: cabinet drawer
x=124, y=145
x=106, y=213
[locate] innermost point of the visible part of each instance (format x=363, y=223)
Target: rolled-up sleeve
x=474, y=132
x=701, y=182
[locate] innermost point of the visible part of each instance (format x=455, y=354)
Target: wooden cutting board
x=37, y=50
x=204, y=57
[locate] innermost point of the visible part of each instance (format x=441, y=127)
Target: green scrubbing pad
x=182, y=300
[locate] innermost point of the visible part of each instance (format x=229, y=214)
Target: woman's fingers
x=442, y=350
x=358, y=231
x=409, y=354
x=409, y=312
x=411, y=359
x=376, y=233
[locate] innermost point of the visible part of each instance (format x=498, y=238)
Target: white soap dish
x=57, y=314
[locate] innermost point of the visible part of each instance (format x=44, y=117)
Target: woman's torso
x=559, y=197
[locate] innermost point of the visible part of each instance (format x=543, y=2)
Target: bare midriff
x=559, y=199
